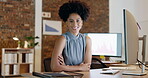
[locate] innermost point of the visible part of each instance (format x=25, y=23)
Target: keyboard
x=121, y=68
x=136, y=73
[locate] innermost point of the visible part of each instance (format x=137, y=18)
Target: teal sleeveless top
x=74, y=49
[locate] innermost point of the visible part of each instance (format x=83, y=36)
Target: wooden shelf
x=17, y=61
x=10, y=63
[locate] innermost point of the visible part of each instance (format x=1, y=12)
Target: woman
x=72, y=51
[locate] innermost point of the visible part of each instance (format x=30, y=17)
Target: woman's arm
x=88, y=55
x=81, y=67
x=58, y=48
x=57, y=63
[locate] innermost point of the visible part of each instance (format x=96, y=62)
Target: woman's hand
x=61, y=60
x=84, y=67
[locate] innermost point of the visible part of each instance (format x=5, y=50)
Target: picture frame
x=51, y=27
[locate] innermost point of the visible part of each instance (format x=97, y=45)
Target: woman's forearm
x=81, y=67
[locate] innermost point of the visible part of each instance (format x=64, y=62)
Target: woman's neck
x=74, y=33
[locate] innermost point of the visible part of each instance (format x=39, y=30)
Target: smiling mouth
x=74, y=28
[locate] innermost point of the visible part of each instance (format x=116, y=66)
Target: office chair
x=96, y=63
x=47, y=62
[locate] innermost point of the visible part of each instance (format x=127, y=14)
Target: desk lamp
x=17, y=39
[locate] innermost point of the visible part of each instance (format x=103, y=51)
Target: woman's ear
x=66, y=22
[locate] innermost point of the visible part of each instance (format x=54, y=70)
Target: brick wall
x=97, y=22
x=16, y=19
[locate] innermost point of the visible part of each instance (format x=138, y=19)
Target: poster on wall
x=51, y=27
x=3, y=0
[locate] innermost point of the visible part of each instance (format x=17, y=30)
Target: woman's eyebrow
x=73, y=19
x=70, y=19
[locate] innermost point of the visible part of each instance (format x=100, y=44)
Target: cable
x=139, y=63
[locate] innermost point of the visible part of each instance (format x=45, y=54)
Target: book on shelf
x=10, y=58
x=7, y=68
x=29, y=58
x=5, y=58
x=14, y=58
x=15, y=70
x=30, y=68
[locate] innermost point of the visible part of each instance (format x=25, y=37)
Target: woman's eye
x=78, y=20
x=70, y=21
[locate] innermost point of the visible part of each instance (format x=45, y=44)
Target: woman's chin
x=76, y=31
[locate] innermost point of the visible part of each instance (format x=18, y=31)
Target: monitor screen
x=130, y=37
x=106, y=44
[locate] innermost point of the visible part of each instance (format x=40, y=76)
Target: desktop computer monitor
x=131, y=37
x=106, y=44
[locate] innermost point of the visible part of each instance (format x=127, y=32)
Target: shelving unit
x=17, y=61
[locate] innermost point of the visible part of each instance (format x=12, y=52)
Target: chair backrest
x=47, y=62
x=96, y=63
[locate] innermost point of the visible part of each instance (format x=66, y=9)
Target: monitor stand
x=136, y=73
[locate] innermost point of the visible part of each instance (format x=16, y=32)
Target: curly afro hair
x=74, y=7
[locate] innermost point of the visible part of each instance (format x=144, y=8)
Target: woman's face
x=74, y=23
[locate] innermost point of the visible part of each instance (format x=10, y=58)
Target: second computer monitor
x=106, y=44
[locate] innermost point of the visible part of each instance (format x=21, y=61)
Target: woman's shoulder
x=61, y=38
x=64, y=34
x=88, y=38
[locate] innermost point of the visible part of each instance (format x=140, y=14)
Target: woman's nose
x=75, y=24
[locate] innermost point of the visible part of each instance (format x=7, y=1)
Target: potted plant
x=30, y=42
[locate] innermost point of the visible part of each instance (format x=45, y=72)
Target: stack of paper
x=109, y=72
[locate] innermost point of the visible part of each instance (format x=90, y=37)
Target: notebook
x=58, y=74
x=110, y=72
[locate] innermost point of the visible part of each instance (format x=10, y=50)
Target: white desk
x=95, y=73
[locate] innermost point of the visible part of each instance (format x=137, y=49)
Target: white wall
x=137, y=7
x=38, y=32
